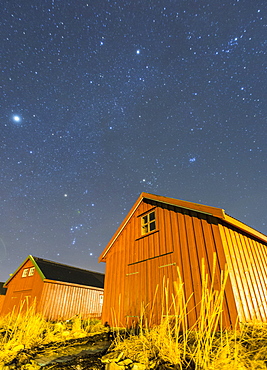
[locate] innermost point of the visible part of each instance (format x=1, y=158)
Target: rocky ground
x=89, y=353
x=79, y=354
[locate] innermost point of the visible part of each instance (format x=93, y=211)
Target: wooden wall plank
x=64, y=301
x=246, y=258
x=194, y=262
x=249, y=278
x=187, y=276
x=244, y=313
x=230, y=314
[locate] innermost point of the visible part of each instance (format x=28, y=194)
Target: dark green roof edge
x=31, y=258
x=37, y=267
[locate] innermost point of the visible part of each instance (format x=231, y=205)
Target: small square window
x=31, y=272
x=25, y=272
x=148, y=223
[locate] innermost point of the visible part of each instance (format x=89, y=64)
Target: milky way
x=101, y=100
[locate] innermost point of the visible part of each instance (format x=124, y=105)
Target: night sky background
x=101, y=100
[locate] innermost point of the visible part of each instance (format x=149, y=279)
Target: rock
x=113, y=366
x=18, y=348
x=112, y=357
x=125, y=362
x=138, y=366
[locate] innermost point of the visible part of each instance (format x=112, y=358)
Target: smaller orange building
x=58, y=291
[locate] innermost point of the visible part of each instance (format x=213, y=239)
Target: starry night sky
x=101, y=100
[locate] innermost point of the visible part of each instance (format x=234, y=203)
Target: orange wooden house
x=58, y=291
x=161, y=236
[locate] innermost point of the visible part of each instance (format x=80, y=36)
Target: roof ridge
x=64, y=265
x=216, y=212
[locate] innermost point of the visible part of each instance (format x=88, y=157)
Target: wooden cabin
x=58, y=291
x=164, y=240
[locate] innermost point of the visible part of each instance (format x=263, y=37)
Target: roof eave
x=240, y=225
x=119, y=230
x=72, y=284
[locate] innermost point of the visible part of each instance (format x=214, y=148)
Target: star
x=16, y=118
x=193, y=159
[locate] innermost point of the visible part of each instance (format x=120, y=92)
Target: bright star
x=16, y=118
x=138, y=51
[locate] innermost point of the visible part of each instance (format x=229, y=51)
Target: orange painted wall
x=137, y=266
x=22, y=291
x=2, y=299
x=247, y=260
x=63, y=301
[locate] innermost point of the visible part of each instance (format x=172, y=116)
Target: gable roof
x=49, y=270
x=208, y=210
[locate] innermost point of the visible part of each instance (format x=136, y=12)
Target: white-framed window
x=25, y=272
x=31, y=271
x=148, y=223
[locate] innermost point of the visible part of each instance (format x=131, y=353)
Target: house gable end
x=126, y=242
x=32, y=260
x=207, y=210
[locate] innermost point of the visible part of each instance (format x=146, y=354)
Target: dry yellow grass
x=27, y=330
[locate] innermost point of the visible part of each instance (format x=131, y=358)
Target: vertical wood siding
x=2, y=298
x=247, y=261
x=22, y=290
x=138, y=266
x=61, y=301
